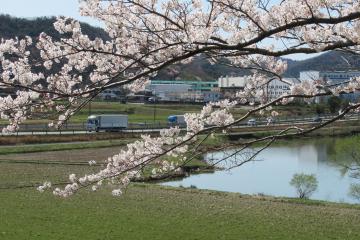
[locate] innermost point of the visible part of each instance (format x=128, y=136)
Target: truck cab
x=177, y=120
x=92, y=124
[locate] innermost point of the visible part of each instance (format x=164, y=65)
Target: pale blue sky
x=39, y=8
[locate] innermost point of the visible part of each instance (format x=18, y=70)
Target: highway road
x=258, y=127
x=75, y=132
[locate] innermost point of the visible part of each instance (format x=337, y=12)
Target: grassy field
x=62, y=146
x=148, y=211
x=33, y=164
x=154, y=212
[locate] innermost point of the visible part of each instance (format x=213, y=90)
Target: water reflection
x=273, y=173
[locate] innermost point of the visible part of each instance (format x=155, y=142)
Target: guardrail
x=80, y=128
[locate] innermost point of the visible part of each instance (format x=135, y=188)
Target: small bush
x=305, y=184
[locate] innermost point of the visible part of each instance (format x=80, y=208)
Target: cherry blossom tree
x=146, y=36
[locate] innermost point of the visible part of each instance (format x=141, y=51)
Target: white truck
x=107, y=122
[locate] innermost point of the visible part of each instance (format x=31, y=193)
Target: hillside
x=199, y=69
x=11, y=27
x=329, y=61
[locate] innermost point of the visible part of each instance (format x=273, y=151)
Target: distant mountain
x=329, y=61
x=201, y=69
x=11, y=27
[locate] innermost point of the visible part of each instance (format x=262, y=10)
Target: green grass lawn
x=153, y=212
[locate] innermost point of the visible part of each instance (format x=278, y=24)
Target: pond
x=273, y=169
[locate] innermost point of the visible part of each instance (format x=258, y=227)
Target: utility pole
x=154, y=107
x=89, y=107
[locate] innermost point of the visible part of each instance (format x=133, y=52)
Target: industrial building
x=277, y=88
x=195, y=86
x=184, y=91
x=229, y=86
x=169, y=92
x=332, y=79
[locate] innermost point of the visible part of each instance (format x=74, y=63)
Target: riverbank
x=159, y=212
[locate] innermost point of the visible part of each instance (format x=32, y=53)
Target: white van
x=251, y=122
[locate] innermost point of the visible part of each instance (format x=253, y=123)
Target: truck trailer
x=107, y=122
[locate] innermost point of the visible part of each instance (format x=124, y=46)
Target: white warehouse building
x=232, y=82
x=169, y=92
x=229, y=86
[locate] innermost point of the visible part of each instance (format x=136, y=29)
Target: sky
x=69, y=8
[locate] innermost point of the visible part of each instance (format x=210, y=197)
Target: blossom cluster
x=213, y=114
x=121, y=168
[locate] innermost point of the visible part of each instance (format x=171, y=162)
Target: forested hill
x=11, y=27
x=202, y=69
x=329, y=61
x=198, y=69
